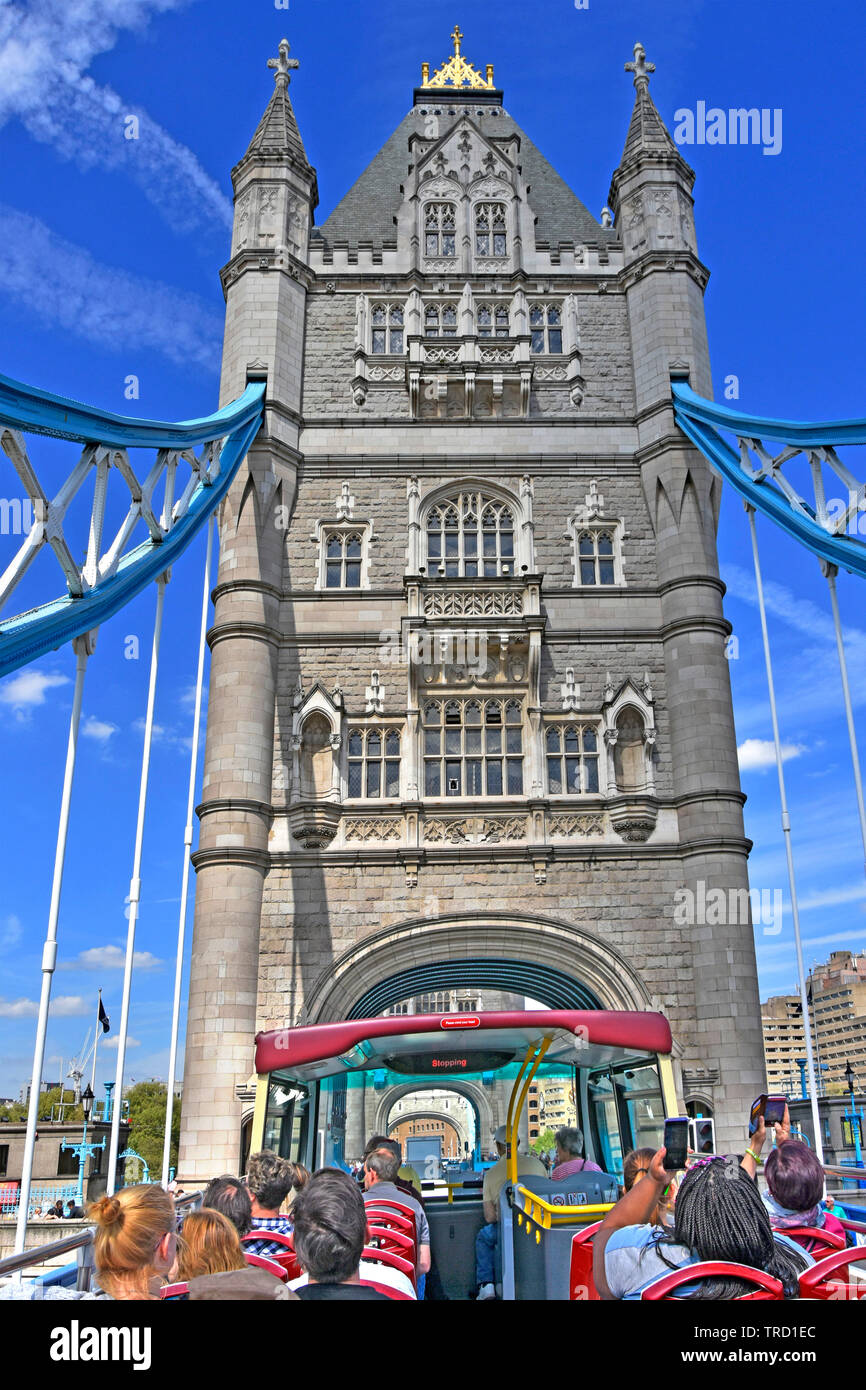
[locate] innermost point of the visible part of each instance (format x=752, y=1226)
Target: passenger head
x=135, y=1239
x=381, y=1141
x=382, y=1165
x=569, y=1143
x=720, y=1215
x=794, y=1176
x=228, y=1195
x=500, y=1139
x=270, y=1179
x=209, y=1245
x=634, y=1166
x=330, y=1227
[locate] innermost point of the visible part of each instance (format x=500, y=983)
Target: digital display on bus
x=429, y=1063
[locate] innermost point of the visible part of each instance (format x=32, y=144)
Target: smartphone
x=771, y=1107
x=756, y=1112
x=676, y=1142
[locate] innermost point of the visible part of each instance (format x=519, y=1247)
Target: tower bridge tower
x=470, y=718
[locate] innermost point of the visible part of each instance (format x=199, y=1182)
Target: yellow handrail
x=544, y=1213
x=530, y=1051
x=515, y=1116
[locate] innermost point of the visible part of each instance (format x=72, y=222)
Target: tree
x=16, y=1112
x=147, y=1123
x=545, y=1143
x=49, y=1099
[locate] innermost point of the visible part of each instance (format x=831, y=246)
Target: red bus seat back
x=581, y=1285
x=388, y=1290
x=170, y=1292
x=384, y=1216
x=263, y=1262
x=818, y=1281
x=766, y=1288
x=815, y=1240
x=385, y=1257
x=285, y=1258
x=394, y=1241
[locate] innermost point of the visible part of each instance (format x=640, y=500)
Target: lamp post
x=84, y=1150
x=851, y=1077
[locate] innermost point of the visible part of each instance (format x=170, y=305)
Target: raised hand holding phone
x=676, y=1144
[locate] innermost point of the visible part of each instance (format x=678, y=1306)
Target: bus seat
x=817, y=1281
x=382, y=1216
x=394, y=1241
x=374, y=1255
x=171, y=1292
x=388, y=1290
x=400, y=1208
x=766, y=1289
x=815, y=1240
x=262, y=1262
x=581, y=1284
x=285, y=1258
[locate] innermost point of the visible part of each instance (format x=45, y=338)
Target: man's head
x=228, y=1195
x=269, y=1179
x=569, y=1143
x=381, y=1141
x=330, y=1227
x=500, y=1139
x=382, y=1165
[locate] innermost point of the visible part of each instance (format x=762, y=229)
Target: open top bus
x=323, y=1090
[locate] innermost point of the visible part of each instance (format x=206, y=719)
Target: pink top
x=575, y=1165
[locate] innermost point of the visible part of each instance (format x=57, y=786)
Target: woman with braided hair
x=719, y=1215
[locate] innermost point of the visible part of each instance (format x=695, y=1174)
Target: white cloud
x=97, y=729
x=45, y=52
x=114, y=1043
x=64, y=286
x=111, y=958
x=757, y=754
x=10, y=931
x=66, y=1006
x=24, y=691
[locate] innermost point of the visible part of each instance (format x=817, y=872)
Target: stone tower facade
x=469, y=704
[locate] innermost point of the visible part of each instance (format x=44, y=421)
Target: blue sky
x=111, y=253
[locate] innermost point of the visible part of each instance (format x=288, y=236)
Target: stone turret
x=664, y=280
x=265, y=284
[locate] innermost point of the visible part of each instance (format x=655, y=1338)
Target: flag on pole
x=103, y=1017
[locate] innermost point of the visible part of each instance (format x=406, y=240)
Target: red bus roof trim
x=287, y=1047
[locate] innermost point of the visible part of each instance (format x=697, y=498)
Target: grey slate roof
x=368, y=210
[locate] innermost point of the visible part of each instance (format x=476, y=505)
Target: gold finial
x=456, y=72
x=282, y=64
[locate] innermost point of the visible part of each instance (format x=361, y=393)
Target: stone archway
x=447, y=1121
x=558, y=963
x=485, y=1105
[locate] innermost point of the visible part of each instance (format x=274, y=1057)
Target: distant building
x=24, y=1093
x=836, y=991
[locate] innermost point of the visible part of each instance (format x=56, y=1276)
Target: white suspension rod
x=187, y=850
x=135, y=889
x=786, y=828
x=830, y=572
x=82, y=647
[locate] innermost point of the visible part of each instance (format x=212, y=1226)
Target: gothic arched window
x=343, y=554
x=492, y=321
x=572, y=759
x=440, y=229
x=470, y=535
x=473, y=748
x=545, y=326
x=440, y=320
x=491, y=229
x=386, y=328
x=374, y=762
x=596, y=556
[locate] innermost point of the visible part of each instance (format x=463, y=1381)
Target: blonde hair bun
x=107, y=1212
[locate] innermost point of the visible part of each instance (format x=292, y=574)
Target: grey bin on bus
x=541, y=1266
